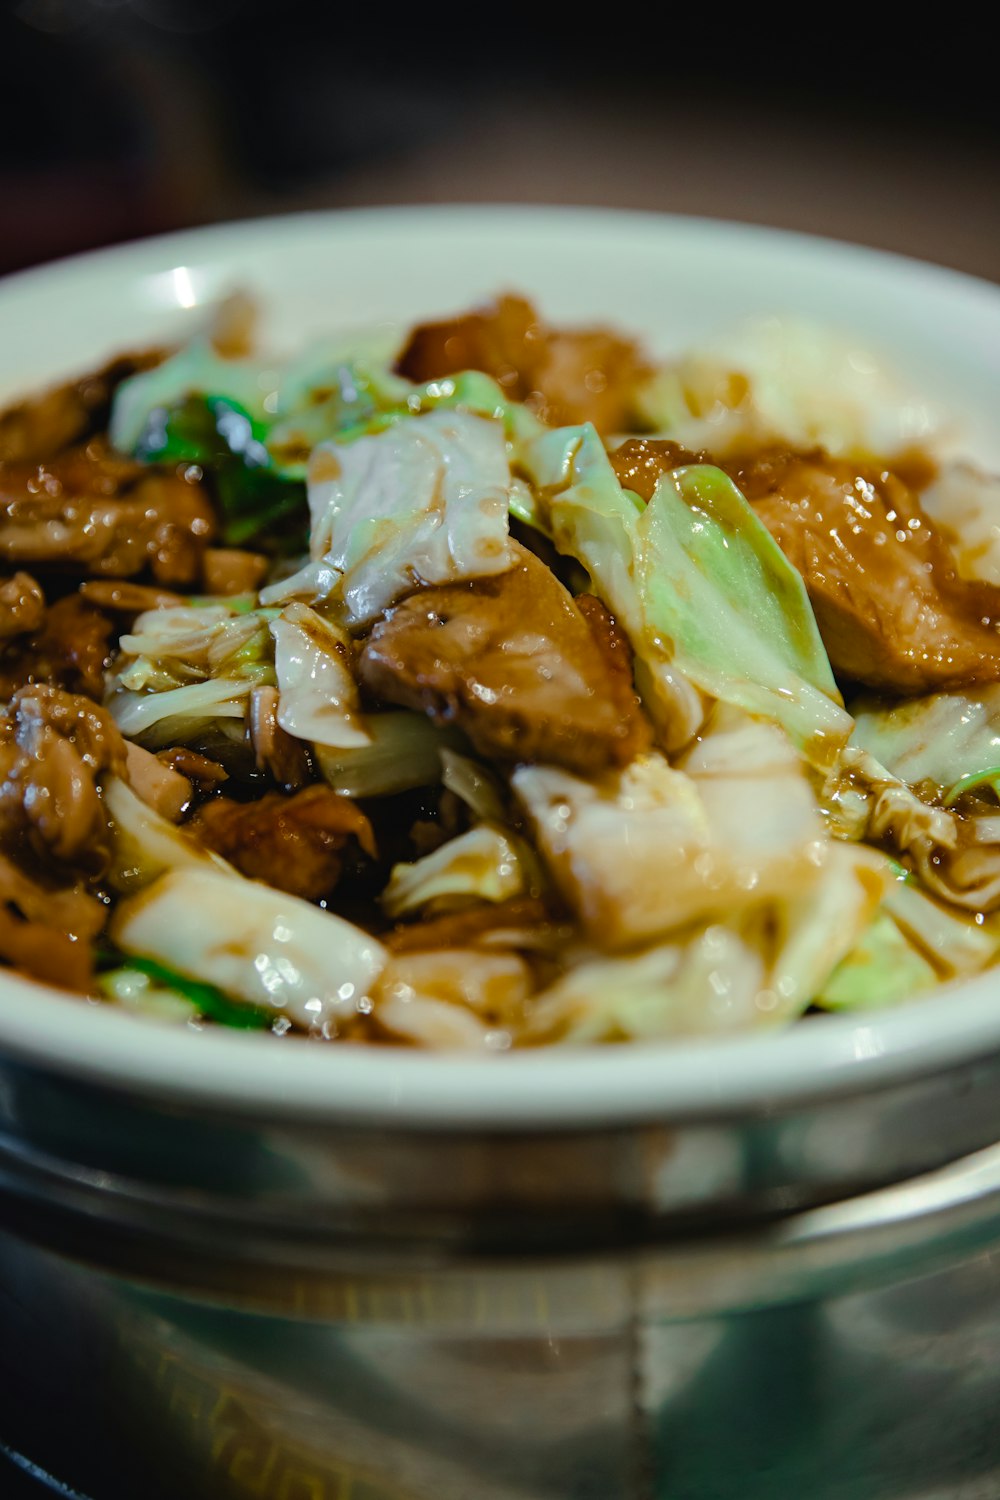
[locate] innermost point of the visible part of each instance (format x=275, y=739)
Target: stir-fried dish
x=489, y=688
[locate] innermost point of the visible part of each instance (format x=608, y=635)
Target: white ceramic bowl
x=676, y=282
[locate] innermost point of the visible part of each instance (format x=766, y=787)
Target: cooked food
x=494, y=687
x=513, y=660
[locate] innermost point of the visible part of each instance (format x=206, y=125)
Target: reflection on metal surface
x=285, y=1310
x=824, y=1396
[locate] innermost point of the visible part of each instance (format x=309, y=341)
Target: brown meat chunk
x=639, y=462
x=69, y=908
x=71, y=651
x=890, y=606
x=230, y=570
x=53, y=749
x=205, y=774
x=93, y=512
x=126, y=597
x=514, y=662
x=44, y=425
x=293, y=843
x=275, y=750
x=889, y=603
x=43, y=952
x=47, y=930
x=22, y=606
x=587, y=375
x=612, y=642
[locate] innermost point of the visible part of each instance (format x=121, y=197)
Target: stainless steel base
x=847, y=1353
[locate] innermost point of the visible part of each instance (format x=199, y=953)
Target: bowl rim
x=552, y=1088
x=459, y=215
x=557, y=1088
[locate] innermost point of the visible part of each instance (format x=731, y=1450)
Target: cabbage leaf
x=483, y=864
x=949, y=739
x=882, y=969
x=708, y=600
x=423, y=502
x=403, y=751
x=717, y=587
x=318, y=692
x=787, y=381
x=254, y=943
x=453, y=999
x=741, y=827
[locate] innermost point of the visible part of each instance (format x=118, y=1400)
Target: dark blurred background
x=124, y=117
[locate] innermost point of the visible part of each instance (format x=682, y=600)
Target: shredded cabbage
x=167, y=648
x=719, y=592
x=475, y=784
x=255, y=943
x=956, y=944
x=735, y=836
x=956, y=857
x=196, y=369
x=318, y=692
x=189, y=668
x=180, y=714
x=704, y=985
x=588, y=515
x=454, y=1000
x=761, y=967
x=483, y=864
x=145, y=844
x=403, y=751
x=949, y=739
x=425, y=502
x=882, y=969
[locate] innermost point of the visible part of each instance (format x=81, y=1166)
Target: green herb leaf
x=258, y=506
x=209, y=1001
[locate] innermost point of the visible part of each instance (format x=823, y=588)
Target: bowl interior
x=676, y=283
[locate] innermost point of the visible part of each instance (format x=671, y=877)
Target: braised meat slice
x=516, y=663
x=890, y=606
x=275, y=750
x=127, y=598
x=232, y=570
x=44, y=425
x=22, y=606
x=93, y=512
x=54, y=747
x=639, y=462
x=53, y=832
x=293, y=843
x=207, y=775
x=46, y=930
x=69, y=650
x=587, y=375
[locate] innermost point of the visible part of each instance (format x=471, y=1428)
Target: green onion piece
x=222, y=437
x=990, y=778
x=209, y=1001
